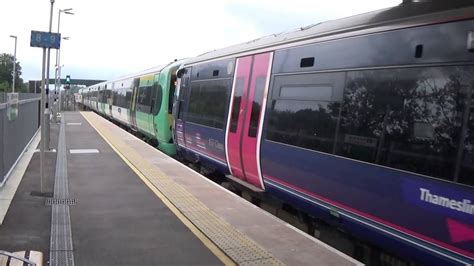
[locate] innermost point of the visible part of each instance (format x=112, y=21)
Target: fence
x=19, y=121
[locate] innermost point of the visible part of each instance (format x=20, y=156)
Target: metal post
x=47, y=111
x=56, y=82
x=42, y=120
x=60, y=93
x=67, y=11
x=14, y=65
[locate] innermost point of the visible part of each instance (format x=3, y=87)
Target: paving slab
x=244, y=232
x=117, y=220
x=26, y=225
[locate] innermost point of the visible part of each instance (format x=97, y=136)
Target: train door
x=100, y=105
x=180, y=104
x=143, y=104
x=133, y=103
x=96, y=99
x=155, y=103
x=109, y=97
x=244, y=123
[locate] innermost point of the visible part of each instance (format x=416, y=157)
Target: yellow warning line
x=204, y=239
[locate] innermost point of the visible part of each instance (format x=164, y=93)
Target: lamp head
x=66, y=11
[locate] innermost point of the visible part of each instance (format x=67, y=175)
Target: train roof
x=401, y=16
x=152, y=70
x=148, y=71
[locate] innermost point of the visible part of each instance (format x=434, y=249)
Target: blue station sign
x=45, y=39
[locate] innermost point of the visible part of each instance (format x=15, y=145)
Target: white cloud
x=112, y=38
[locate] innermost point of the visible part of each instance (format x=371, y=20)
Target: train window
x=307, y=62
x=320, y=92
x=419, y=51
x=417, y=119
x=239, y=86
x=144, y=98
x=208, y=102
x=126, y=94
x=211, y=70
x=256, y=106
x=116, y=97
x=128, y=98
x=158, y=91
x=307, y=124
x=120, y=98
x=104, y=95
x=305, y=110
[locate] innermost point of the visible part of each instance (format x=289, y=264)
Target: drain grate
x=58, y=201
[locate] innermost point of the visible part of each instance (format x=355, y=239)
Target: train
x=365, y=122
x=141, y=102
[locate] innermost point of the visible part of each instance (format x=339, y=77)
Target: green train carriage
x=142, y=102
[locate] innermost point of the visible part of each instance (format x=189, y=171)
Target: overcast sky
x=113, y=38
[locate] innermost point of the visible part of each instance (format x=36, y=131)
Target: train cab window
x=158, y=91
x=305, y=110
x=208, y=102
x=418, y=120
x=183, y=91
x=171, y=94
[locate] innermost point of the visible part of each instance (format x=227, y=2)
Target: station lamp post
x=57, y=84
x=14, y=64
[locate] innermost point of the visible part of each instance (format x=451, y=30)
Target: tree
x=6, y=69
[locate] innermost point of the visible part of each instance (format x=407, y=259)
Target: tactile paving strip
x=61, y=249
x=240, y=248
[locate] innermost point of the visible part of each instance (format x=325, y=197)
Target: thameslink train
x=365, y=122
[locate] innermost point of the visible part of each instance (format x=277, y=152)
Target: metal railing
x=11, y=255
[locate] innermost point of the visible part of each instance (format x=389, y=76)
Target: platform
x=119, y=201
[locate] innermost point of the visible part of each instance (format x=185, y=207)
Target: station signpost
x=45, y=40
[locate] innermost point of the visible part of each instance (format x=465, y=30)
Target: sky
x=108, y=39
